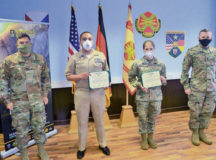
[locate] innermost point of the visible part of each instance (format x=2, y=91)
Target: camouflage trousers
x=24, y=115
x=147, y=113
x=202, y=105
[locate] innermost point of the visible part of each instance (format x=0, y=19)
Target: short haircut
x=23, y=35
x=204, y=30
x=84, y=33
x=152, y=43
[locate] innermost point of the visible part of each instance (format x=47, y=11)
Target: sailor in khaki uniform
x=78, y=69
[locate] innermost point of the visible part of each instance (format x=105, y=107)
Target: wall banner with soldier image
x=38, y=32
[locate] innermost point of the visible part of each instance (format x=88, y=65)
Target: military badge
x=175, y=41
x=97, y=60
x=148, y=24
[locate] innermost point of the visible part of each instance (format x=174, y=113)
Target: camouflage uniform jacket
x=27, y=78
x=203, y=63
x=143, y=66
x=80, y=63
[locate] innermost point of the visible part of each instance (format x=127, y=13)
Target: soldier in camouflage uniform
x=201, y=88
x=27, y=76
x=148, y=100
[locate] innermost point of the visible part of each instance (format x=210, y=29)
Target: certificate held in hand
x=151, y=79
x=99, y=79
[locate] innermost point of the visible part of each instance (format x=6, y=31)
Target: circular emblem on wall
x=148, y=24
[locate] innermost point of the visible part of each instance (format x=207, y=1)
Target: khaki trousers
x=84, y=101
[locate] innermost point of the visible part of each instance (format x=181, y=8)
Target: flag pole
x=101, y=45
x=127, y=118
x=127, y=97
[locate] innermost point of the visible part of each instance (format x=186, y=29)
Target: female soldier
x=148, y=100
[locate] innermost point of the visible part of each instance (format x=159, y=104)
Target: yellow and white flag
x=129, y=52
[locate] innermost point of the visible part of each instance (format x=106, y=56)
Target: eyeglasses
x=84, y=39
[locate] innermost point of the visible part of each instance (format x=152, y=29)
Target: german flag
x=101, y=45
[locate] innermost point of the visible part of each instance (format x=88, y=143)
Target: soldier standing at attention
x=148, y=100
x=27, y=75
x=78, y=69
x=201, y=88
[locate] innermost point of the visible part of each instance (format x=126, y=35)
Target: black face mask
x=205, y=42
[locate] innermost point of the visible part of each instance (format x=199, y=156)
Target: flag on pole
x=101, y=45
x=73, y=40
x=129, y=52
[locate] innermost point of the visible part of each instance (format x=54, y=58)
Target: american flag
x=73, y=39
x=169, y=43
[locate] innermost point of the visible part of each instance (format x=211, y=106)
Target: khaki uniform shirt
x=80, y=63
x=203, y=63
x=141, y=66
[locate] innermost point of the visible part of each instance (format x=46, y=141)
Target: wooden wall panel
x=174, y=99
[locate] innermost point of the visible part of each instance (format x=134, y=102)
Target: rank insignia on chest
x=175, y=41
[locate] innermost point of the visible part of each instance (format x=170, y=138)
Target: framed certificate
x=99, y=79
x=151, y=79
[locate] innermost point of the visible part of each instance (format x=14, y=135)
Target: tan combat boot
x=151, y=142
x=195, y=137
x=42, y=153
x=144, y=143
x=24, y=154
x=203, y=137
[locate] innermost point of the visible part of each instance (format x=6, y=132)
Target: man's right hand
x=84, y=75
x=188, y=91
x=10, y=106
